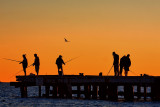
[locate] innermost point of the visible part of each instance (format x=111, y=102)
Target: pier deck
x=92, y=87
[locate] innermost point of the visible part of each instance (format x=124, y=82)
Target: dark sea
x=10, y=97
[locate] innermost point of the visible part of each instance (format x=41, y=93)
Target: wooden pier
x=92, y=87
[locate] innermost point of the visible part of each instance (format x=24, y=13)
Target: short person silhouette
x=59, y=63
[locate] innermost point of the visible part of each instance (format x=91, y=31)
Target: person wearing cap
x=36, y=63
x=116, y=63
x=59, y=63
x=127, y=64
x=24, y=63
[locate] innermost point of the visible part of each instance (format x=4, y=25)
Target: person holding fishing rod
x=24, y=63
x=116, y=64
x=36, y=63
x=59, y=63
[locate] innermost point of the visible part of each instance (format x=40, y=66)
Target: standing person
x=116, y=63
x=127, y=64
x=36, y=63
x=122, y=64
x=59, y=63
x=24, y=63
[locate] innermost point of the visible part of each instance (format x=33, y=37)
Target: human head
x=60, y=56
x=113, y=53
x=24, y=55
x=128, y=55
x=35, y=55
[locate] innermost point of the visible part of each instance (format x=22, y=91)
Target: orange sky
x=95, y=28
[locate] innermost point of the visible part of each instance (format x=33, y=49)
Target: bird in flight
x=66, y=40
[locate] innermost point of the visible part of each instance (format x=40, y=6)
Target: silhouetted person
x=116, y=63
x=59, y=63
x=122, y=64
x=127, y=64
x=24, y=63
x=36, y=63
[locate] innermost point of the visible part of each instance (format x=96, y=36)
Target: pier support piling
x=145, y=92
x=55, y=91
x=138, y=91
x=78, y=91
x=112, y=92
x=47, y=90
x=102, y=91
x=87, y=89
x=39, y=91
x=128, y=93
x=23, y=90
x=95, y=92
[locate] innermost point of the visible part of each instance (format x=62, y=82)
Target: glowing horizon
x=95, y=29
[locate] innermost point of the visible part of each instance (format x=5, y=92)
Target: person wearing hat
x=116, y=63
x=36, y=63
x=127, y=64
x=24, y=63
x=59, y=63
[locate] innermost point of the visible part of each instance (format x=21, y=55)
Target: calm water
x=10, y=97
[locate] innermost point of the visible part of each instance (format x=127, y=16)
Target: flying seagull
x=66, y=40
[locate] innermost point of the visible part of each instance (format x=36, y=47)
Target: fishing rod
x=72, y=59
x=20, y=71
x=11, y=60
x=110, y=70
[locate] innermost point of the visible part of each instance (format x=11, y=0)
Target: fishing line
x=134, y=73
x=19, y=71
x=72, y=59
x=11, y=60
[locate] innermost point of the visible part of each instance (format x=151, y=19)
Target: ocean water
x=10, y=97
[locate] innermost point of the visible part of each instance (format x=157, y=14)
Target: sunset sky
x=95, y=28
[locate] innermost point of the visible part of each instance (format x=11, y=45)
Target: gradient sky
x=95, y=28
